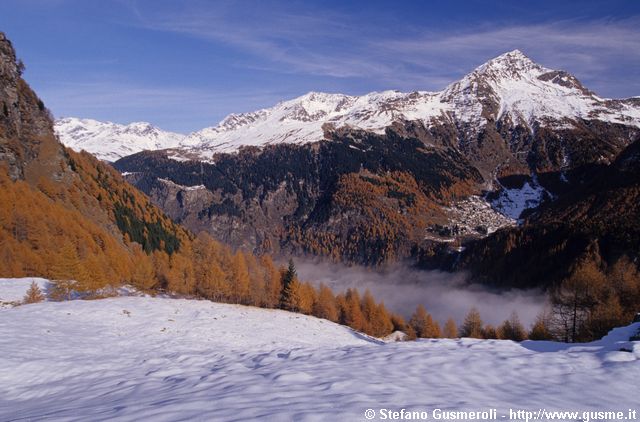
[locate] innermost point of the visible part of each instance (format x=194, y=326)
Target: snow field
x=162, y=359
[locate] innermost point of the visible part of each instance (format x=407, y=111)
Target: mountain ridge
x=508, y=87
x=110, y=141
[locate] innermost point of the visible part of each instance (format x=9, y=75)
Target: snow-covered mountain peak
x=112, y=141
x=515, y=87
x=511, y=64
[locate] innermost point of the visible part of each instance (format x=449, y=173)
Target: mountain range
x=510, y=88
x=385, y=176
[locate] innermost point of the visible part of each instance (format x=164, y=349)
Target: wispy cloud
x=589, y=48
x=291, y=42
x=324, y=43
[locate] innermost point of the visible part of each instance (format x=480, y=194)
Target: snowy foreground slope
x=141, y=358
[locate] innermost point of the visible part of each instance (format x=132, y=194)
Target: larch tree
x=472, y=325
x=512, y=329
x=540, y=328
x=143, y=275
x=352, y=311
x=325, y=305
x=624, y=279
x=240, y=277
x=257, y=285
x=489, y=332
x=33, y=295
x=423, y=324
x=68, y=272
x=381, y=324
x=573, y=300
x=369, y=311
x=308, y=296
x=273, y=285
x=213, y=284
x=450, y=329
x=604, y=316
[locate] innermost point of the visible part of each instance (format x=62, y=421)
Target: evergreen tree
x=287, y=277
x=34, y=294
x=293, y=300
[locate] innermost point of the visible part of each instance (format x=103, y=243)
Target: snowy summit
x=111, y=141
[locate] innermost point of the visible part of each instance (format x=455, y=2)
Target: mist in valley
x=443, y=294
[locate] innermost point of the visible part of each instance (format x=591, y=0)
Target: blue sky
x=185, y=65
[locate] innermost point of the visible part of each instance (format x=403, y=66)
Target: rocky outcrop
x=28, y=146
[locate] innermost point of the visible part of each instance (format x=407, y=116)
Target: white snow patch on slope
x=513, y=202
x=181, y=187
x=170, y=359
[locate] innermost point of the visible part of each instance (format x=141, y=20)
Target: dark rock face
x=27, y=143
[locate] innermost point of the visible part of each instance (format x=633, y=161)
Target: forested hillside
x=360, y=197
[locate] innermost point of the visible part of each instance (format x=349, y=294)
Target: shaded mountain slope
x=360, y=197
x=595, y=217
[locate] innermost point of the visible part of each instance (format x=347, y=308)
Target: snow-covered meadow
x=143, y=358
